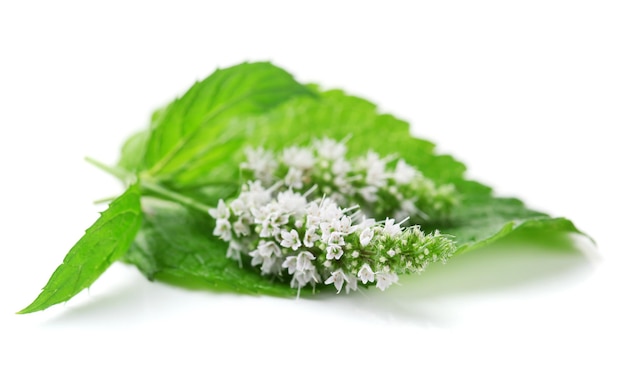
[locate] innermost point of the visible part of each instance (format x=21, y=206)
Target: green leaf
x=481, y=217
x=190, y=135
x=103, y=243
x=177, y=245
x=337, y=115
x=133, y=151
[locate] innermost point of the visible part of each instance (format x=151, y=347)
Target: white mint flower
x=261, y=163
x=234, y=251
x=241, y=228
x=366, y=236
x=334, y=252
x=366, y=274
x=238, y=206
x=290, y=263
x=300, y=158
x=376, y=175
x=290, y=239
x=222, y=230
x=385, y=280
x=341, y=167
x=268, y=248
x=267, y=263
x=344, y=225
x=303, y=262
x=323, y=234
x=335, y=238
x=390, y=228
x=221, y=212
x=294, y=178
x=302, y=269
x=289, y=202
x=336, y=278
x=329, y=149
x=351, y=283
x=405, y=173
x=310, y=237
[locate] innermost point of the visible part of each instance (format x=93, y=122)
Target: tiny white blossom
x=223, y=230
x=310, y=237
x=289, y=202
x=329, y=211
x=268, y=248
x=366, y=274
x=337, y=278
x=294, y=178
x=385, y=280
x=238, y=206
x=261, y=162
x=335, y=238
x=329, y=149
x=341, y=167
x=221, y=212
x=344, y=225
x=303, y=262
x=267, y=261
x=241, y=228
x=391, y=228
x=351, y=283
x=300, y=158
x=405, y=173
x=290, y=263
x=334, y=252
x=234, y=251
x=366, y=236
x=375, y=170
x=290, y=239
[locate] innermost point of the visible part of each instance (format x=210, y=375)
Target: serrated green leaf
x=193, y=126
x=164, y=247
x=177, y=243
x=103, y=243
x=479, y=219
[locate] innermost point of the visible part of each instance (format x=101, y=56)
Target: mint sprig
x=189, y=157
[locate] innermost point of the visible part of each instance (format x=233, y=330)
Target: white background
x=530, y=94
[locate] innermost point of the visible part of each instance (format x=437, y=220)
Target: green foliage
x=103, y=243
x=189, y=158
x=191, y=133
x=175, y=243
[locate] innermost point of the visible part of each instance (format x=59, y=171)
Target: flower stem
x=116, y=172
x=173, y=196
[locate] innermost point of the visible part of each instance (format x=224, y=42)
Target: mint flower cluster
x=381, y=186
x=311, y=239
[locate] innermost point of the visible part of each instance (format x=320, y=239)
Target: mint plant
x=253, y=183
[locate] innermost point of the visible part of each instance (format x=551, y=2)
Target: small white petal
x=366, y=236
x=337, y=278
x=366, y=274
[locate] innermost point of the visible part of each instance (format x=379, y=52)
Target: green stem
x=118, y=173
x=173, y=196
x=105, y=200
